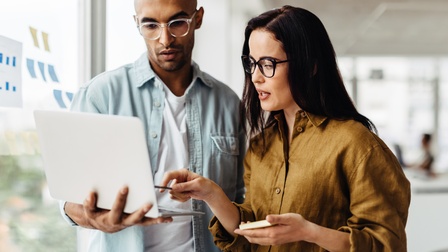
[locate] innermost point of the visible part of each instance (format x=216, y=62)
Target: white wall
x=123, y=41
x=219, y=41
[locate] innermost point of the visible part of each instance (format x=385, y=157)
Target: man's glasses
x=177, y=28
x=266, y=65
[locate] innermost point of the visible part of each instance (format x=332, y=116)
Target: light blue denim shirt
x=215, y=136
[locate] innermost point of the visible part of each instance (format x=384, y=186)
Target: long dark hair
x=314, y=78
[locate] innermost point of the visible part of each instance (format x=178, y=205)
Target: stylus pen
x=163, y=187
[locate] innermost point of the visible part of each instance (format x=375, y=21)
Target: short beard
x=171, y=66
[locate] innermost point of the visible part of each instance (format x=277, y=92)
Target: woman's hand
x=293, y=227
x=286, y=228
x=187, y=184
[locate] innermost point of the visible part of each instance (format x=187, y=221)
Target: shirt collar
x=316, y=120
x=144, y=72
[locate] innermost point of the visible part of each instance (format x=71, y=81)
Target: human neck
x=177, y=81
x=290, y=118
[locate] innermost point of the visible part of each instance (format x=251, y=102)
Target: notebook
x=82, y=152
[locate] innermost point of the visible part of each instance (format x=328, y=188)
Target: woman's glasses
x=266, y=65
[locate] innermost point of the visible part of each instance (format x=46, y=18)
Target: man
x=191, y=120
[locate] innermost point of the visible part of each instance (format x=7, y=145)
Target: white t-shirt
x=173, y=155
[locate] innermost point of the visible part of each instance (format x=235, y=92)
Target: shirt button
x=303, y=114
x=277, y=190
x=157, y=104
x=153, y=135
x=299, y=129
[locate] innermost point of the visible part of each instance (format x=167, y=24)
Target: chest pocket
x=226, y=144
x=224, y=163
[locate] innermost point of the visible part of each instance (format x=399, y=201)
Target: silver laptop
x=84, y=151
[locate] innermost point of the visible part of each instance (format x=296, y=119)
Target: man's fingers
x=137, y=216
x=152, y=221
x=90, y=202
x=117, y=209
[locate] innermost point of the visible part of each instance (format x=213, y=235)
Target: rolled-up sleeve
x=226, y=241
x=379, y=202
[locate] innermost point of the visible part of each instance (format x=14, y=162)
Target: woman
x=314, y=170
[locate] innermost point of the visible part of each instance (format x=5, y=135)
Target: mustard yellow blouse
x=336, y=174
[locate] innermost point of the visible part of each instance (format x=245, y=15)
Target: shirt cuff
x=64, y=215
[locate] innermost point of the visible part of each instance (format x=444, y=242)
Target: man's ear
x=198, y=17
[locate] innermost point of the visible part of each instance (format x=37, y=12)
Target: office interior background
x=393, y=55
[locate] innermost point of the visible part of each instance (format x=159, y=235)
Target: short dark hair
x=314, y=78
x=427, y=137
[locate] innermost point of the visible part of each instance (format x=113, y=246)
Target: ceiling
x=381, y=27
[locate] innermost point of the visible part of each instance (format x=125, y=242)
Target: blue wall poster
x=10, y=73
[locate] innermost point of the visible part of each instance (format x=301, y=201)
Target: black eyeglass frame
x=251, y=70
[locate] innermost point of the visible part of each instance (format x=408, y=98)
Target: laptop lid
x=86, y=151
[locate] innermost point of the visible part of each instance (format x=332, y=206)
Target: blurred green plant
x=34, y=223
x=8, y=169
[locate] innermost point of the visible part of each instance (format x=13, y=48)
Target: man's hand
x=110, y=221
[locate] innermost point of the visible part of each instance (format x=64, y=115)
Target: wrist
x=215, y=196
x=312, y=232
x=66, y=216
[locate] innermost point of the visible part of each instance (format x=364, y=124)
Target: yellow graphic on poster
x=45, y=72
x=10, y=73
